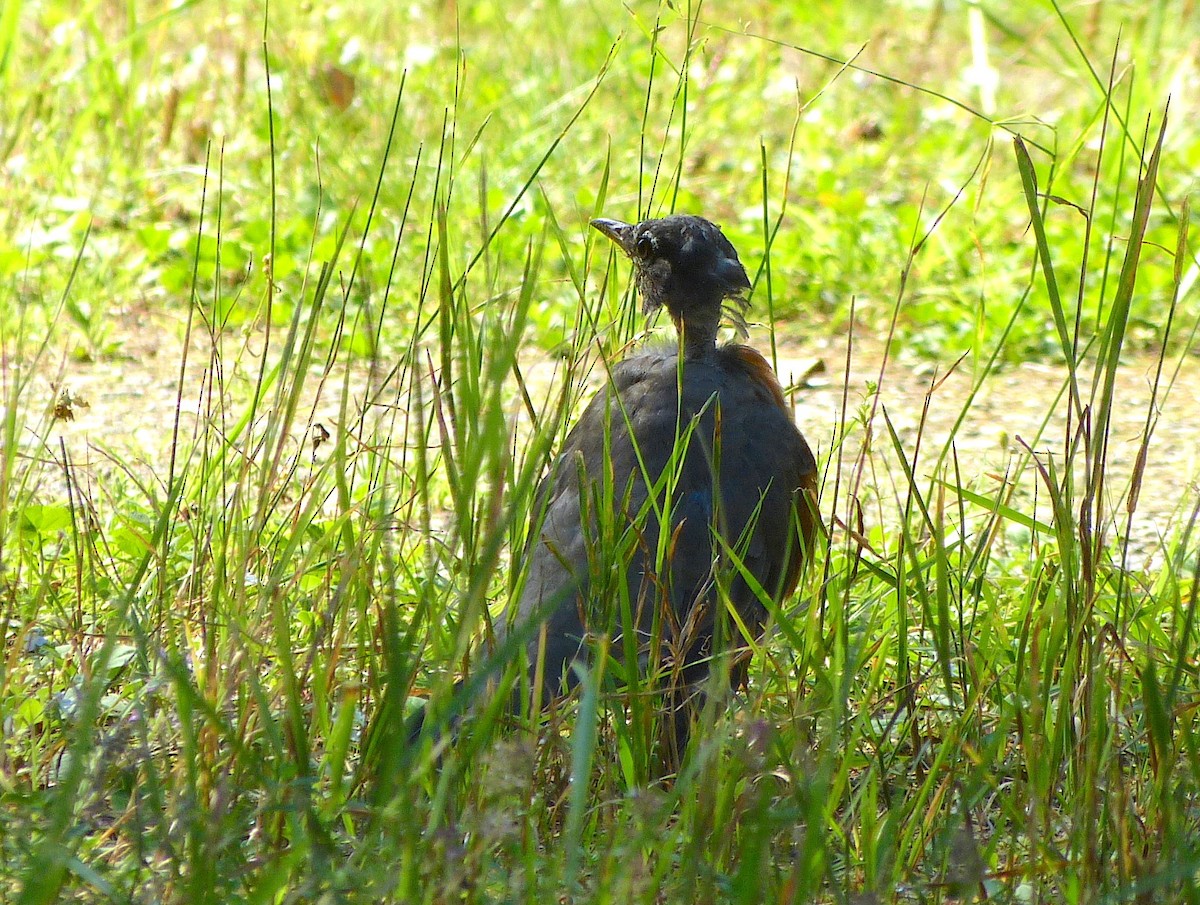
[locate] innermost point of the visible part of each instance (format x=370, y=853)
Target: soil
x=123, y=409
x=1016, y=410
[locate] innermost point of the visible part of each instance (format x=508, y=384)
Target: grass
x=373, y=296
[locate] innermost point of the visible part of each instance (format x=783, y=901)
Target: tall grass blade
x=1066, y=345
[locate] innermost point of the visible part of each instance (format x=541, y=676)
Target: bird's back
x=657, y=426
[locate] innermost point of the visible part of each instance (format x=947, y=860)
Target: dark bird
x=690, y=458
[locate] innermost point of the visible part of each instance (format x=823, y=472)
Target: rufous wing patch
x=759, y=370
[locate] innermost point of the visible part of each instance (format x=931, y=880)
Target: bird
x=685, y=477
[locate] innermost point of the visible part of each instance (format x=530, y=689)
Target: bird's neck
x=697, y=335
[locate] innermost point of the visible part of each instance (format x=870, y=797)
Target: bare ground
x=124, y=409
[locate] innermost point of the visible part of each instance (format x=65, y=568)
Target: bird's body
x=705, y=445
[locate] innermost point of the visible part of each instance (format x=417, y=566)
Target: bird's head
x=685, y=264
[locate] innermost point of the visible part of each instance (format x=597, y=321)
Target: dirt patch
x=126, y=408
x=1013, y=410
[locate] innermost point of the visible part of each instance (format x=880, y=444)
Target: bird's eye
x=644, y=246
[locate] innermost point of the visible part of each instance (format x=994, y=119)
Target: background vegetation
x=344, y=247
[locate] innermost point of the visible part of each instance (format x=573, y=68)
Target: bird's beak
x=619, y=232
